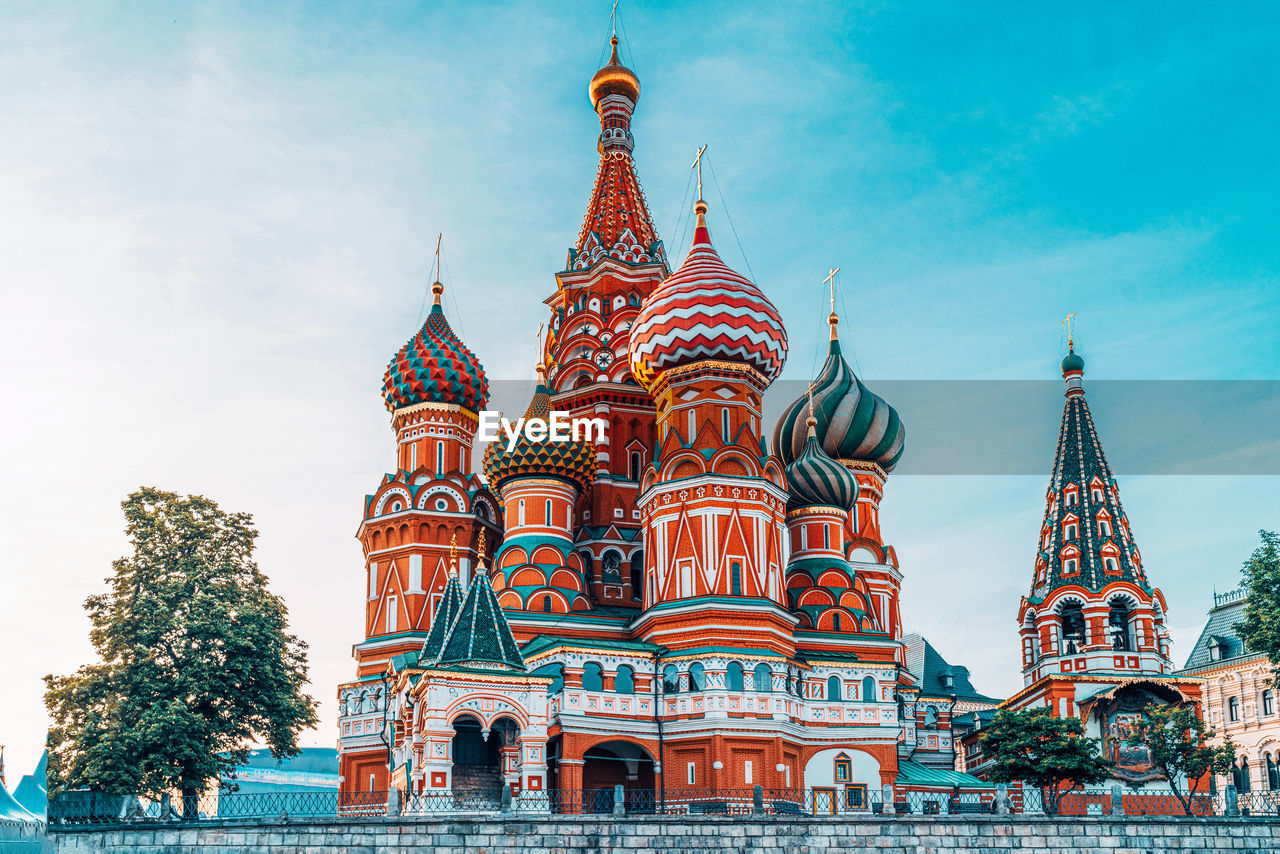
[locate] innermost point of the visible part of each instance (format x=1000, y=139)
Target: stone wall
x=1102, y=835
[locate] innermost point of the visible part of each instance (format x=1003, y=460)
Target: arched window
x=761, y=678
x=592, y=677
x=826, y=536
x=1104, y=528
x=1233, y=709
x=637, y=573
x=588, y=567
x=930, y=716
x=869, y=690
x=1245, y=783
x=724, y=424
x=556, y=672
x=1069, y=566
x=1268, y=702
x=547, y=513
x=1237, y=779
x=624, y=680
x=670, y=680
x=1118, y=625
x=1111, y=565
x=833, y=689
x=546, y=604
x=439, y=458
x=1071, y=532
x=697, y=677
x=633, y=466
x=835, y=621
x=520, y=511
x=1073, y=628
x=733, y=676
x=735, y=579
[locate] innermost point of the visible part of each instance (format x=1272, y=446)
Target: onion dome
x=614, y=79
x=573, y=461
x=706, y=311
x=813, y=478
x=853, y=422
x=435, y=367
x=1073, y=362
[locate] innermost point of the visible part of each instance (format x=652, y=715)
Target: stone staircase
x=477, y=782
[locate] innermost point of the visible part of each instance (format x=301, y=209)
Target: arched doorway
x=477, y=761
x=612, y=764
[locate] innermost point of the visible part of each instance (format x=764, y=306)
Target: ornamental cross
x=697, y=164
x=831, y=280
x=439, y=237
x=1067, y=321
x=613, y=18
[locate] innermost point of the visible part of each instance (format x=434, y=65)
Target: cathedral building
x=1092, y=628
x=691, y=599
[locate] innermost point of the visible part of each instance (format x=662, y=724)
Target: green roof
x=541, y=643
x=912, y=773
x=443, y=619
x=480, y=633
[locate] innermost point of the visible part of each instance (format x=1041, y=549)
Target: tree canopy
x=195, y=659
x=1260, y=628
x=1040, y=749
x=1178, y=741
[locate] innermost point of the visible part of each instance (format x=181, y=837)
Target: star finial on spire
x=832, y=318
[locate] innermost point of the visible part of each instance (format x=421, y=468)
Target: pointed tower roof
x=618, y=224
x=435, y=366
x=446, y=613
x=814, y=479
x=480, y=636
x=1082, y=495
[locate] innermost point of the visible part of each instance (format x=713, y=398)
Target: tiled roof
x=924, y=661
x=912, y=773
x=1220, y=627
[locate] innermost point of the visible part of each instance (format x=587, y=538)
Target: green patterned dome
x=1072, y=362
x=813, y=479
x=572, y=461
x=853, y=422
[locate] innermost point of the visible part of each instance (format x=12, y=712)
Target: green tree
x=195, y=660
x=1260, y=628
x=1040, y=749
x=1177, y=739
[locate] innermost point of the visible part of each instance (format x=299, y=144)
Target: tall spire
x=617, y=224
x=1085, y=538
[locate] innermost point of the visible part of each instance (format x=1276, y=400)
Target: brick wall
x=703, y=836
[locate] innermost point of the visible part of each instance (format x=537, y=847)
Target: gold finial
x=453, y=556
x=812, y=420
x=613, y=26
x=832, y=318
x=436, y=287
x=541, y=367
x=480, y=550
x=1067, y=321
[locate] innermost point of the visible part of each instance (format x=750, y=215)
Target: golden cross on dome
x=831, y=280
x=697, y=164
x=1067, y=321
x=613, y=18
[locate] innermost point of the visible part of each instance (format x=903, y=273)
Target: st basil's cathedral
x=693, y=599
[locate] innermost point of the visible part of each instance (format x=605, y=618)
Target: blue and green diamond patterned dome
x=572, y=461
x=434, y=366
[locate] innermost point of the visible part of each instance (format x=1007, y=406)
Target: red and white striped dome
x=705, y=310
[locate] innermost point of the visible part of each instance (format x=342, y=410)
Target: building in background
x=1092, y=628
x=1239, y=696
x=673, y=603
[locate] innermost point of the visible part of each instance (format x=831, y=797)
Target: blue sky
x=216, y=224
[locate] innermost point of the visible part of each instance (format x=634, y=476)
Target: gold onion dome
x=614, y=79
x=572, y=461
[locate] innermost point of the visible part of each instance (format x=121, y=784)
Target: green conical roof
x=443, y=618
x=480, y=635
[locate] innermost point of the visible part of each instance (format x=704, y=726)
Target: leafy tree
x=1260, y=629
x=1177, y=739
x=195, y=660
x=1043, y=750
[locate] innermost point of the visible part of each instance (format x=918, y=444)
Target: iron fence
x=847, y=800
